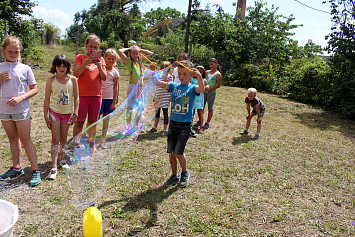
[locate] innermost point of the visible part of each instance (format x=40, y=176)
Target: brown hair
x=11, y=40
x=216, y=61
x=186, y=63
x=92, y=37
x=165, y=64
x=59, y=60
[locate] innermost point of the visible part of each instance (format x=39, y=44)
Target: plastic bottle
x=92, y=222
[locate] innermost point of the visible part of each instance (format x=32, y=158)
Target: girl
x=15, y=113
x=110, y=88
x=199, y=100
x=90, y=71
x=133, y=63
x=61, y=93
x=164, y=96
x=214, y=79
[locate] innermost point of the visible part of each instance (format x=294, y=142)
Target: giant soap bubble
x=91, y=166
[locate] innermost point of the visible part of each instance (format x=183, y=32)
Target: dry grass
x=297, y=180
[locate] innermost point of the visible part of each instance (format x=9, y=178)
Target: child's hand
x=113, y=106
x=4, y=77
x=73, y=119
x=207, y=89
x=153, y=66
x=48, y=123
x=195, y=73
x=14, y=101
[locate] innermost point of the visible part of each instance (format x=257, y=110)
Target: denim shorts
x=178, y=134
x=262, y=113
x=16, y=117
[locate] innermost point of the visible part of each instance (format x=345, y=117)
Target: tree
x=341, y=42
x=11, y=12
x=154, y=16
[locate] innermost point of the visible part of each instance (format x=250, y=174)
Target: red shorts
x=89, y=106
x=63, y=118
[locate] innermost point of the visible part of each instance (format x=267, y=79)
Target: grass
x=297, y=180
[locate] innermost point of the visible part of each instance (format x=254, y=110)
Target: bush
x=250, y=75
x=306, y=80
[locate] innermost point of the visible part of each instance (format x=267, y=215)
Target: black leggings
x=165, y=113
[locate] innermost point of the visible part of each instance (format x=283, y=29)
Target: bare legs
x=174, y=158
x=20, y=131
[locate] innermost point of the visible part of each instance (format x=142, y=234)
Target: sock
x=16, y=168
x=35, y=170
x=257, y=134
x=246, y=130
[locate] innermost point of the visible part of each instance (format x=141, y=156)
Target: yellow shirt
x=62, y=97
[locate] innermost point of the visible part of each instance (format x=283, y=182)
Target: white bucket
x=8, y=218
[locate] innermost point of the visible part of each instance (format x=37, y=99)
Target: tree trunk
x=5, y=29
x=188, y=28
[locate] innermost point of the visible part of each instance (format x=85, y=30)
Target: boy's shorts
x=262, y=113
x=178, y=134
x=105, y=106
x=63, y=118
x=90, y=106
x=16, y=117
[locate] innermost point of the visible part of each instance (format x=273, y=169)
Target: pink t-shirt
x=89, y=81
x=21, y=76
x=107, y=85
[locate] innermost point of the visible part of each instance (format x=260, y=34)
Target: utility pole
x=188, y=28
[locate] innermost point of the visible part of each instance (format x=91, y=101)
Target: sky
x=316, y=24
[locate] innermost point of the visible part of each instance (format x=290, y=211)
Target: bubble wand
x=184, y=66
x=148, y=59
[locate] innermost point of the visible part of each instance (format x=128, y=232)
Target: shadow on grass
x=327, y=121
x=241, y=139
x=25, y=179
x=149, y=199
x=149, y=136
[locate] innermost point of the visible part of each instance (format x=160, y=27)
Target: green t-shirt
x=135, y=73
x=212, y=81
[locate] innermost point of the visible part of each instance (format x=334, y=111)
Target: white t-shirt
x=21, y=76
x=107, y=85
x=176, y=75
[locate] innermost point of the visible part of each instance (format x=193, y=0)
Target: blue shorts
x=16, y=117
x=105, y=106
x=178, y=134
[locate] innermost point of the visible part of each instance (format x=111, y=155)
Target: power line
x=311, y=7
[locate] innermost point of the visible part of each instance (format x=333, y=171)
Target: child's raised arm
x=121, y=53
x=201, y=86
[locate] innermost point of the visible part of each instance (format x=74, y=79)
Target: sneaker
x=206, y=125
x=201, y=131
x=244, y=133
x=163, y=133
x=63, y=164
x=256, y=137
x=171, y=181
x=184, y=178
x=193, y=133
x=153, y=130
x=12, y=173
x=52, y=174
x=36, y=178
x=196, y=125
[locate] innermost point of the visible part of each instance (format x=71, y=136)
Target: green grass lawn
x=296, y=180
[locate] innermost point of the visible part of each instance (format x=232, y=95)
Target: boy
x=182, y=101
x=258, y=109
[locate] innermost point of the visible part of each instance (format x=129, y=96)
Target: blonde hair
x=186, y=63
x=134, y=47
x=11, y=40
x=252, y=91
x=92, y=37
x=165, y=64
x=112, y=52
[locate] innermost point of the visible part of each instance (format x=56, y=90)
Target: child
x=199, y=101
x=61, y=93
x=214, y=79
x=183, y=96
x=15, y=113
x=133, y=63
x=258, y=109
x=90, y=71
x=164, y=96
x=110, y=90
x=182, y=56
